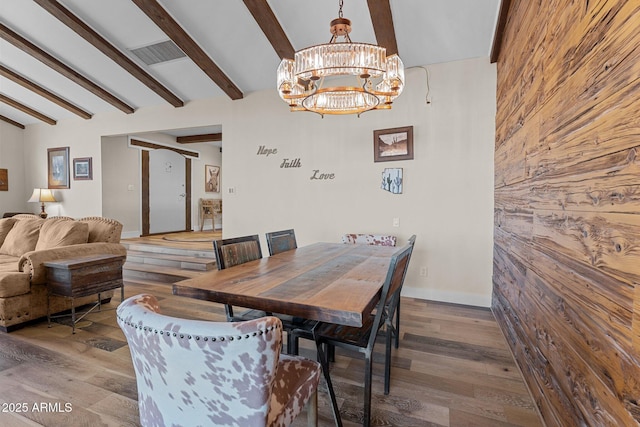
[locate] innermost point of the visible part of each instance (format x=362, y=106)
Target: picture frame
x=58, y=167
x=211, y=179
x=4, y=180
x=393, y=144
x=392, y=180
x=82, y=169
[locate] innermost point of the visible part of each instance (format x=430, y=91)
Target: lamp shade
x=42, y=195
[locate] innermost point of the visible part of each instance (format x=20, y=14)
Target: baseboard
x=452, y=297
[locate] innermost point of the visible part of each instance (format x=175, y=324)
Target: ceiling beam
x=205, y=137
x=83, y=30
x=271, y=28
x=30, y=111
x=34, y=87
x=11, y=122
x=151, y=145
x=25, y=45
x=171, y=28
x=498, y=35
x=380, y=11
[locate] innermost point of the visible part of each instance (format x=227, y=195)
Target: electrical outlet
x=423, y=271
x=396, y=222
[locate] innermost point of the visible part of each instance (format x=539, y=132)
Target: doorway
x=172, y=208
x=167, y=192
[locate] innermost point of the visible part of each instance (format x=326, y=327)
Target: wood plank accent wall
x=566, y=278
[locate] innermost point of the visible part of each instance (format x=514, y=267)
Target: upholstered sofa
x=27, y=242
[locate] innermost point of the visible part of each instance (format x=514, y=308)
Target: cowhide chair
x=197, y=373
x=369, y=239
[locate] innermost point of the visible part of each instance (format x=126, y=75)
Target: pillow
x=61, y=232
x=22, y=237
x=6, y=225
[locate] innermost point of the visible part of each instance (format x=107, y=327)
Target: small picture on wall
x=212, y=179
x=58, y=167
x=393, y=144
x=82, y=169
x=392, y=180
x=4, y=180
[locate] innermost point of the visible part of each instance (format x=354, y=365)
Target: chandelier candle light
x=305, y=82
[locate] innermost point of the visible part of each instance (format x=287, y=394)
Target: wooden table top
x=330, y=282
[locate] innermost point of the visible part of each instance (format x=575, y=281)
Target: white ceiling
x=427, y=32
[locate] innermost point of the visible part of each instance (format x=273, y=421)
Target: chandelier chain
x=340, y=3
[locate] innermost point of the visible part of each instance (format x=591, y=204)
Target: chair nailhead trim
x=197, y=337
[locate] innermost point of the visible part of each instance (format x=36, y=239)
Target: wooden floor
x=453, y=368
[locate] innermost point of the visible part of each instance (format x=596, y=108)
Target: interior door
x=167, y=191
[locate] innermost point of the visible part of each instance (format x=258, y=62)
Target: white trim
x=445, y=296
x=130, y=234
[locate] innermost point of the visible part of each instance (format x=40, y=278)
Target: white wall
x=448, y=187
x=12, y=159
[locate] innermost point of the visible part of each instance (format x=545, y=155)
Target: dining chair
x=281, y=241
x=277, y=242
x=236, y=251
x=195, y=372
x=363, y=339
x=378, y=240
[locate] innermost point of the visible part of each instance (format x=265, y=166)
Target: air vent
x=158, y=52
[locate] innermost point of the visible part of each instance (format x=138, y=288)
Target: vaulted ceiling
x=67, y=58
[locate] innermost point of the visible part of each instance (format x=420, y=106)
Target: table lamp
x=42, y=195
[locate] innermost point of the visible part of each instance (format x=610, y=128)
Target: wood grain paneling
x=566, y=268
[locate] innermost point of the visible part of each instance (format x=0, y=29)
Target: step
x=134, y=270
x=172, y=260
x=142, y=247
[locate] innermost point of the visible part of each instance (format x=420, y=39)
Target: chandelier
x=308, y=82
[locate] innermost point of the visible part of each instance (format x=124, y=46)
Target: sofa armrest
x=33, y=262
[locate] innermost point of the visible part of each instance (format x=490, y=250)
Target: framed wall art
x=392, y=180
x=212, y=179
x=58, y=167
x=4, y=180
x=82, y=169
x=393, y=144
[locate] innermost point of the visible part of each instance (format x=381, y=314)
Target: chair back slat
x=237, y=250
x=281, y=241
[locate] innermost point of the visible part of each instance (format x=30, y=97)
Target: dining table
x=327, y=282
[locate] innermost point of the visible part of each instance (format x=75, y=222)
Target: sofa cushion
x=60, y=232
x=6, y=225
x=9, y=263
x=13, y=283
x=22, y=237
